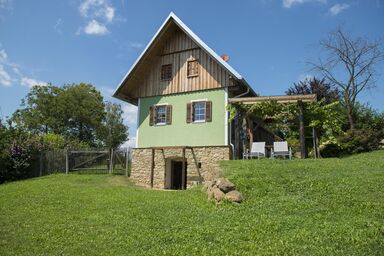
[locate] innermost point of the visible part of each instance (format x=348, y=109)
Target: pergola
x=286, y=99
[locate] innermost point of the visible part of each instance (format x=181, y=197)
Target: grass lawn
x=299, y=207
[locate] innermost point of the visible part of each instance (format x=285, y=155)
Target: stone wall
x=208, y=157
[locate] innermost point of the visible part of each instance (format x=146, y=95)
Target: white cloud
x=136, y=45
x=290, y=3
x=338, y=8
x=95, y=28
x=131, y=143
x=99, y=13
x=5, y=78
x=109, y=13
x=30, y=82
x=57, y=26
x=130, y=119
x=107, y=91
x=97, y=9
x=130, y=115
x=4, y=4
x=10, y=73
x=3, y=56
x=16, y=71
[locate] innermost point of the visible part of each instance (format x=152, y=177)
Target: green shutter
x=151, y=115
x=189, y=113
x=169, y=114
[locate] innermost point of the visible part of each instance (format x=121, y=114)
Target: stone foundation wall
x=209, y=158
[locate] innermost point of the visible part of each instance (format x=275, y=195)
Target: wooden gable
x=174, y=44
x=177, y=51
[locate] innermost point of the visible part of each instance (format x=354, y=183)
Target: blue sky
x=96, y=41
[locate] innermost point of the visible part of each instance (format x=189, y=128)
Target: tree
x=349, y=65
x=74, y=111
x=113, y=132
x=83, y=111
x=321, y=88
x=41, y=110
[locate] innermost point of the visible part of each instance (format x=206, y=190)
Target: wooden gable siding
x=177, y=50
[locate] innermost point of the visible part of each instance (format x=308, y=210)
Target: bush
x=18, y=156
x=357, y=141
x=352, y=142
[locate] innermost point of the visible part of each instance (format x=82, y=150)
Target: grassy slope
x=330, y=206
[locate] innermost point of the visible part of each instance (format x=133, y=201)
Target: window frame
x=197, y=68
x=166, y=69
x=194, y=113
x=156, y=123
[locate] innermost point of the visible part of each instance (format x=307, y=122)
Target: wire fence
x=84, y=161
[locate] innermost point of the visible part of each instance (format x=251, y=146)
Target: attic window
x=166, y=72
x=193, y=68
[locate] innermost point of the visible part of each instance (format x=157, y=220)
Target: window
x=160, y=115
x=199, y=112
x=166, y=72
x=193, y=68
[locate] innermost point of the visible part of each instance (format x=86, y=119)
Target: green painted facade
x=181, y=133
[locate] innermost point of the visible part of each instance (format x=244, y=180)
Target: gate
x=98, y=161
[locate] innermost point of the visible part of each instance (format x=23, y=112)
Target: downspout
x=230, y=124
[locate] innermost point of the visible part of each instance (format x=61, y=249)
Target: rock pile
x=222, y=189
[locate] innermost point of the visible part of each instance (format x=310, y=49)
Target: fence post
x=66, y=162
x=111, y=162
x=41, y=164
x=126, y=162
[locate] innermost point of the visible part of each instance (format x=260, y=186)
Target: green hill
x=313, y=207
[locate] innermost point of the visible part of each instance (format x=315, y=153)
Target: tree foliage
x=74, y=111
x=83, y=112
x=323, y=90
x=284, y=117
x=113, y=132
x=42, y=108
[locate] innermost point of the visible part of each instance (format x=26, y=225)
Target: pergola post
x=302, y=130
x=249, y=123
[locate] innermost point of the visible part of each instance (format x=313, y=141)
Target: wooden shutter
x=169, y=114
x=189, y=112
x=208, y=111
x=151, y=115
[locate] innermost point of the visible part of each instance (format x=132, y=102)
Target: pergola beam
x=278, y=99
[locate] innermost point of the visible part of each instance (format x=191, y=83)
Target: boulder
x=210, y=194
x=218, y=194
x=234, y=196
x=225, y=185
x=207, y=185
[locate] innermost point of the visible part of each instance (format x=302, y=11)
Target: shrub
x=352, y=142
x=357, y=141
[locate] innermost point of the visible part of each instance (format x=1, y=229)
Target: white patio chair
x=280, y=148
x=257, y=150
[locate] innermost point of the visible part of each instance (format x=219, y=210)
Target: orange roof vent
x=225, y=57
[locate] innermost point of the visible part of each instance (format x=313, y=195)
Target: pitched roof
x=172, y=17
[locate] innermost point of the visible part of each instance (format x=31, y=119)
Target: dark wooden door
x=177, y=175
